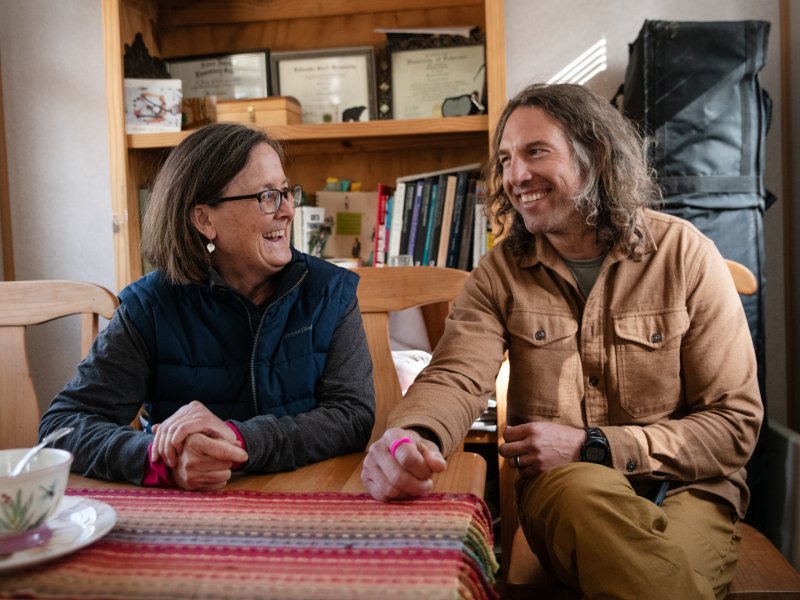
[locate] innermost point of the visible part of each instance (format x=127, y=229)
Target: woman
x=244, y=353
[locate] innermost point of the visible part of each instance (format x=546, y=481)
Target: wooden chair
x=762, y=572
x=24, y=303
x=397, y=288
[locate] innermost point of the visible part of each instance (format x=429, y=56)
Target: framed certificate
x=227, y=76
x=333, y=86
x=423, y=78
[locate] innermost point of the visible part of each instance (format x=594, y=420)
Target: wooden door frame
x=7, y=267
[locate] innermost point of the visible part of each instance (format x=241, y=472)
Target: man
x=631, y=364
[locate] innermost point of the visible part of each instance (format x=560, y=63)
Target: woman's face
x=250, y=246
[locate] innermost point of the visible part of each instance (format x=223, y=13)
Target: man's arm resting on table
x=395, y=469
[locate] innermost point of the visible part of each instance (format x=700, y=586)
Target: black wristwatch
x=595, y=449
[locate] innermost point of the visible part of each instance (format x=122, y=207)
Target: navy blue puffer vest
x=203, y=345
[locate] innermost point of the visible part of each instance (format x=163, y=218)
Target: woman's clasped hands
x=199, y=448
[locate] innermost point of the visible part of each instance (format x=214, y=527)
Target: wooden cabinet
x=369, y=152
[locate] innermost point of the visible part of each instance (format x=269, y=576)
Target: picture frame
x=333, y=85
x=423, y=78
x=237, y=76
x=398, y=40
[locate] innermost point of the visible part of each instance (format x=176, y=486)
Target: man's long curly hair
x=606, y=149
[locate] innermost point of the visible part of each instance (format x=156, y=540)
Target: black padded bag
x=693, y=88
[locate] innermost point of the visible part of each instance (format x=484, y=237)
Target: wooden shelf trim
x=338, y=131
x=176, y=13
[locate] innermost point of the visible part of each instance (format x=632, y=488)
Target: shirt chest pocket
x=648, y=351
x=544, y=362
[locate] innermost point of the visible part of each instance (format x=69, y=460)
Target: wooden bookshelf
x=390, y=129
x=369, y=152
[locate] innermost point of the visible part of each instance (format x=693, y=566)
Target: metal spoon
x=50, y=437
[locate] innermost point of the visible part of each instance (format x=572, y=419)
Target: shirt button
x=593, y=381
x=539, y=335
x=631, y=466
x=655, y=338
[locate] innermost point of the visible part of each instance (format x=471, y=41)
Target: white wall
x=51, y=61
x=543, y=36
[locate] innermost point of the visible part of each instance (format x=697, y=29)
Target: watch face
x=595, y=453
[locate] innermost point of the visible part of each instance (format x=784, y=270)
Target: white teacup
x=30, y=498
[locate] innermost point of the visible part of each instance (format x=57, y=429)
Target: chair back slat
x=743, y=278
x=389, y=289
x=27, y=303
x=19, y=410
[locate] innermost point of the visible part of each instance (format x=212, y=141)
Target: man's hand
x=541, y=446
x=173, y=432
x=205, y=463
x=408, y=473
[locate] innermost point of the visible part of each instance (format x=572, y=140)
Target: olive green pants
x=588, y=526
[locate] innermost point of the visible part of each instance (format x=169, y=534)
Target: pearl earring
x=210, y=247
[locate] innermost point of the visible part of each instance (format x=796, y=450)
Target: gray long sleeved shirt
x=112, y=383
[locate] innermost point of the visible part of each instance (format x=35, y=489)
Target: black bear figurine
x=353, y=113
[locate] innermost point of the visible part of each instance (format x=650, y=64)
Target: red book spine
x=379, y=236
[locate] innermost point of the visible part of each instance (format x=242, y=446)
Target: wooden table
x=465, y=474
x=310, y=533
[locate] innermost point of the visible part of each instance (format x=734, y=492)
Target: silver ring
x=515, y=462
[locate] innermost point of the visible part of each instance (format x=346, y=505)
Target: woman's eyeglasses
x=269, y=201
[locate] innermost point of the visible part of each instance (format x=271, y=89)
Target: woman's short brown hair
x=197, y=169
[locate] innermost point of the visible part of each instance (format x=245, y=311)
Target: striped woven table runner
x=173, y=544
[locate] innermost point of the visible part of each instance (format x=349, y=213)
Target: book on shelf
x=396, y=225
x=387, y=225
x=379, y=229
x=408, y=207
x=307, y=221
x=456, y=229
x=422, y=225
x=434, y=220
x=419, y=188
x=422, y=213
x=447, y=220
x=467, y=227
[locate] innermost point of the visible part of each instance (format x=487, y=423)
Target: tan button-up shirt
x=659, y=356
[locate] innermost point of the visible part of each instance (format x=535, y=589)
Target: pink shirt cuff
x=239, y=437
x=156, y=473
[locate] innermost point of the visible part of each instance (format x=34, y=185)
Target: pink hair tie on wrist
x=397, y=443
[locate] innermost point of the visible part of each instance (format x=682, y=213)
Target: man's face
x=539, y=175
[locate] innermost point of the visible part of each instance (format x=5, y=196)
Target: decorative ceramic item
x=77, y=522
x=30, y=498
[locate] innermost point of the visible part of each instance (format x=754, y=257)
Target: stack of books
x=488, y=419
x=437, y=218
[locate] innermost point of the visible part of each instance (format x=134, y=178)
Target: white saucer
x=78, y=522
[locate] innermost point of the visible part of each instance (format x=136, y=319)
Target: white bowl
x=28, y=500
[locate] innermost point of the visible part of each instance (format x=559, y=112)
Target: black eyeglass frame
x=296, y=191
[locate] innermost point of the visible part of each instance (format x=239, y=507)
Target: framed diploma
x=423, y=78
x=226, y=76
x=333, y=86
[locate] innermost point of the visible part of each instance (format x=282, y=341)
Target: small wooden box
x=279, y=110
